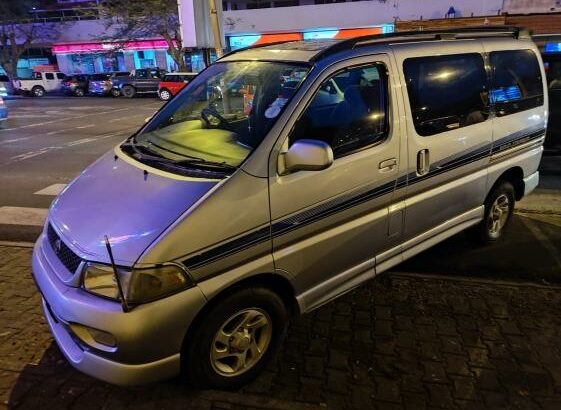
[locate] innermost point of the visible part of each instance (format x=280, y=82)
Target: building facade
x=79, y=47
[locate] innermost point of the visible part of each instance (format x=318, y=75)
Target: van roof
x=315, y=50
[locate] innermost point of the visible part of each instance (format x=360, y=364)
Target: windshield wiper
x=190, y=159
x=204, y=162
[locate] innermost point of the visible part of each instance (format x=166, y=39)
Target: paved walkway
x=400, y=341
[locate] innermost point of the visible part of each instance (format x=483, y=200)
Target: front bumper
x=149, y=338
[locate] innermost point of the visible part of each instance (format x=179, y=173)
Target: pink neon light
x=100, y=47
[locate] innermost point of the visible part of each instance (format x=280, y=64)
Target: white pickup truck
x=40, y=83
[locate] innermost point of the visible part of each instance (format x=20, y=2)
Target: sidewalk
x=400, y=341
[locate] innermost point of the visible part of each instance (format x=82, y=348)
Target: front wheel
x=115, y=92
x=499, y=207
x=79, y=92
x=235, y=339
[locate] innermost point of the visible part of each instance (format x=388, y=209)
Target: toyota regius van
x=278, y=179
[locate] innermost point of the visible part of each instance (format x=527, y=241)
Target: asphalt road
x=48, y=141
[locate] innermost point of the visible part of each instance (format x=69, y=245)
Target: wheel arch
x=272, y=281
x=515, y=176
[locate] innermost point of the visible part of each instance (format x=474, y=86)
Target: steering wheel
x=207, y=114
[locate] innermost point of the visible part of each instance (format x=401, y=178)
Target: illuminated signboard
x=237, y=42
x=552, y=47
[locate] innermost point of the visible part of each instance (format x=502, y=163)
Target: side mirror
x=307, y=155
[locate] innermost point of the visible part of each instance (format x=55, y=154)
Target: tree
x=18, y=30
x=133, y=19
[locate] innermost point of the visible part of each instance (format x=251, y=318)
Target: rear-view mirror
x=307, y=155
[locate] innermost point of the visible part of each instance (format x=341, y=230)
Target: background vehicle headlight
x=139, y=285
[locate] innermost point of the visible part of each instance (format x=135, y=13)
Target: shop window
x=446, y=92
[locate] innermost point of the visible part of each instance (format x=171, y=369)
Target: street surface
x=49, y=141
x=458, y=326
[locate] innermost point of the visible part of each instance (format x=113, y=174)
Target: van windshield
x=220, y=117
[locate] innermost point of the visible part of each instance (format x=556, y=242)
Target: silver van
x=280, y=178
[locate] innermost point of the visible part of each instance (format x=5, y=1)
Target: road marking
x=51, y=190
x=55, y=132
x=66, y=119
x=31, y=154
x=85, y=126
x=82, y=141
x=15, y=215
x=14, y=140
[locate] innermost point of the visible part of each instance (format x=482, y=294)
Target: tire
x=115, y=92
x=79, y=92
x=210, y=361
x=128, y=91
x=499, y=207
x=164, y=94
x=37, y=91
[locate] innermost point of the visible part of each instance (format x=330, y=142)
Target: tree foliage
x=18, y=30
x=133, y=19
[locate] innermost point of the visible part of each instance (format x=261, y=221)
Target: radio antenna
x=124, y=304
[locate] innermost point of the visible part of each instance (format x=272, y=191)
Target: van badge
x=58, y=246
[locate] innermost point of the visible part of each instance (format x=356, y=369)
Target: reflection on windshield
x=223, y=114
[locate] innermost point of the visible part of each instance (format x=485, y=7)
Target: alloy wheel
x=498, y=215
x=241, y=342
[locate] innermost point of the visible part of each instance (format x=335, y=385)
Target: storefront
x=237, y=41
x=91, y=58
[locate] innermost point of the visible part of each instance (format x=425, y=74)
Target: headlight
x=139, y=285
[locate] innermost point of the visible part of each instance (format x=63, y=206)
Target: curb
x=10, y=244
x=476, y=281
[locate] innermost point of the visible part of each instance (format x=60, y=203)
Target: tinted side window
x=516, y=81
x=49, y=76
x=446, y=92
x=141, y=74
x=349, y=111
x=60, y=76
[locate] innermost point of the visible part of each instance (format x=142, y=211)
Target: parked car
x=142, y=81
x=225, y=215
x=6, y=86
x=3, y=112
x=172, y=83
x=101, y=84
x=41, y=82
x=76, y=84
x=552, y=142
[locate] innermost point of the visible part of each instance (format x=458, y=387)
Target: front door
x=328, y=225
x=50, y=82
x=449, y=135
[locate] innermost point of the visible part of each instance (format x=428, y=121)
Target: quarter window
x=516, y=81
x=446, y=92
x=349, y=111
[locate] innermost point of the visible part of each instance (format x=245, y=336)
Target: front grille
x=68, y=258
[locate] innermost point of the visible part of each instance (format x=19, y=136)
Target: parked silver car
x=280, y=178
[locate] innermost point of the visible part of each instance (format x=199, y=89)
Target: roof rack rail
x=428, y=35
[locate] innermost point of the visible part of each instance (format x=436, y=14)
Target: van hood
x=115, y=198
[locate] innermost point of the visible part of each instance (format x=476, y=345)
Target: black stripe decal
x=341, y=204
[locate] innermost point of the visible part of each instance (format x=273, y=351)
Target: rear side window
x=349, y=111
x=50, y=76
x=516, y=83
x=446, y=92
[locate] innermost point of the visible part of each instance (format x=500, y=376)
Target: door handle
x=423, y=162
x=387, y=165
